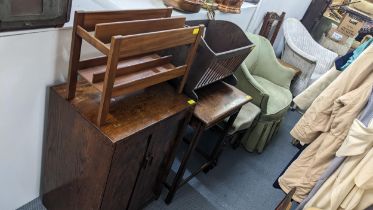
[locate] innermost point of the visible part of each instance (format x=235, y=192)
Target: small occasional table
x=216, y=102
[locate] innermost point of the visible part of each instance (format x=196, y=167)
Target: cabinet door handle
x=148, y=160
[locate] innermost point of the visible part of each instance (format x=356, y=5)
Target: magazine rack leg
x=76, y=45
x=108, y=81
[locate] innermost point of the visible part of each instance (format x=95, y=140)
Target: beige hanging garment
x=326, y=124
x=304, y=100
x=351, y=186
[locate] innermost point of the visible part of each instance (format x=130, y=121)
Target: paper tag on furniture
x=350, y=26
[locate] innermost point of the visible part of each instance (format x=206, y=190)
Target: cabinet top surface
x=129, y=114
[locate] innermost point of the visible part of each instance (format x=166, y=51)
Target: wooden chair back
x=268, y=30
x=130, y=41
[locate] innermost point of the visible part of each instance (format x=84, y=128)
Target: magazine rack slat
x=104, y=31
x=130, y=41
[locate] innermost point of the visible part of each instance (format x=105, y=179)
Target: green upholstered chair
x=268, y=82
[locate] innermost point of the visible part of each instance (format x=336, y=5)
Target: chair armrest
x=286, y=75
x=296, y=71
x=297, y=61
x=307, y=57
x=247, y=75
x=326, y=52
x=306, y=66
x=248, y=84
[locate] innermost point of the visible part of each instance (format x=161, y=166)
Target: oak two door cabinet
x=120, y=165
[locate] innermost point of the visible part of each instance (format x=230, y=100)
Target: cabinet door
x=161, y=142
x=124, y=171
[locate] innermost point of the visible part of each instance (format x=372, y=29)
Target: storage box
x=337, y=36
x=350, y=26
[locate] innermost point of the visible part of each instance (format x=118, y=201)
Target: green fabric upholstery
x=268, y=82
x=279, y=97
x=263, y=62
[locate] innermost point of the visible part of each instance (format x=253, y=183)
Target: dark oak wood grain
x=117, y=166
x=94, y=18
x=127, y=117
x=107, y=87
x=124, y=172
x=151, y=42
x=76, y=159
x=105, y=31
x=217, y=100
x=124, y=38
x=97, y=73
x=148, y=184
x=272, y=19
x=102, y=47
x=75, y=50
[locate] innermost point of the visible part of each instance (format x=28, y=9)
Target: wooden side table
x=216, y=102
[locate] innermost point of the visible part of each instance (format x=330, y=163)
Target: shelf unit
x=132, y=42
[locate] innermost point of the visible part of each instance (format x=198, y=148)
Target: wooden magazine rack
x=131, y=41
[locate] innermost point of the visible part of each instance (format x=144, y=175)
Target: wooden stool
x=216, y=102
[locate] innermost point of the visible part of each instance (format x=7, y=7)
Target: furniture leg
x=236, y=141
x=108, y=81
x=180, y=173
x=74, y=58
x=169, y=159
x=218, y=145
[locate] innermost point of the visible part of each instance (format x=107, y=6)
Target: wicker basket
x=223, y=48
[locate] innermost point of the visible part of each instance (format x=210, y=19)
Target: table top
x=128, y=114
x=218, y=101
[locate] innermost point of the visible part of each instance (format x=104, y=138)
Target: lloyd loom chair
x=304, y=53
x=132, y=42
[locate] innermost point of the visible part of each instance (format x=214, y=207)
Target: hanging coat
x=304, y=100
x=326, y=123
x=351, y=186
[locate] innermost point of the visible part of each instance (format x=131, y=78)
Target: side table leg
x=166, y=168
x=218, y=145
x=180, y=172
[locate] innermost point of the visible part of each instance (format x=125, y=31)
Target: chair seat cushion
x=279, y=97
x=245, y=118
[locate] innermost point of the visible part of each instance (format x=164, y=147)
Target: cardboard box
x=350, y=26
x=337, y=36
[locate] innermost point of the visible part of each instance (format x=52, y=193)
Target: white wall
x=30, y=61
x=293, y=8
x=28, y=64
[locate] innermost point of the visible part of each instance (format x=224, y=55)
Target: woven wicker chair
x=306, y=54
